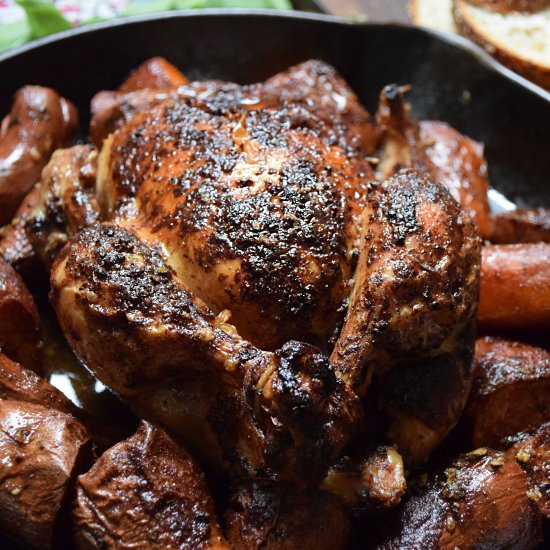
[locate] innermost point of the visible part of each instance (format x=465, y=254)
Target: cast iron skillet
x=452, y=80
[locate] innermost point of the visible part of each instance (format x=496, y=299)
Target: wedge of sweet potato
x=19, y=322
x=511, y=390
x=41, y=451
x=515, y=287
x=521, y=226
x=145, y=492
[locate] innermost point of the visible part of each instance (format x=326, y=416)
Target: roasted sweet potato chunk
x=533, y=454
x=511, y=390
x=41, y=450
x=19, y=321
x=40, y=122
x=145, y=492
x=515, y=287
x=153, y=73
x=273, y=515
x=521, y=226
x=480, y=501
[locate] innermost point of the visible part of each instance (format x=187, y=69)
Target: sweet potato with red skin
x=480, y=501
x=19, y=322
x=510, y=392
x=40, y=122
x=145, y=492
x=270, y=515
x=515, y=287
x=41, y=451
x=521, y=226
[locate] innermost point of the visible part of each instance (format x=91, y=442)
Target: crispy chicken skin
x=411, y=310
x=521, y=226
x=265, y=514
x=433, y=147
x=515, y=287
x=41, y=451
x=108, y=286
x=66, y=201
x=20, y=337
x=511, y=390
x=39, y=123
x=145, y=492
x=242, y=228
x=479, y=501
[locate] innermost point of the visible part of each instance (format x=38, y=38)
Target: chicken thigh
x=241, y=231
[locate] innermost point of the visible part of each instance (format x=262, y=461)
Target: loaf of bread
x=515, y=32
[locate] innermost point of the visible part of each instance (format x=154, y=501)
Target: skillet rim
x=456, y=41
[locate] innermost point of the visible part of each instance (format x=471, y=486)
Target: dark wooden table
x=372, y=10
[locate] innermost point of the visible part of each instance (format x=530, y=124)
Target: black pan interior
x=450, y=82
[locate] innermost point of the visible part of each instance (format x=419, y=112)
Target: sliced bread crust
x=506, y=6
x=434, y=14
x=519, y=41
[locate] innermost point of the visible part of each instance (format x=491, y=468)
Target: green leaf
x=275, y=4
x=43, y=17
x=189, y=4
x=14, y=34
x=149, y=6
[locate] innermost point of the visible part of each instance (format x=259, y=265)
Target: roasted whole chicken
x=285, y=288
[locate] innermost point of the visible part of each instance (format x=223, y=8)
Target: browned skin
x=19, y=322
x=145, y=492
x=14, y=242
x=139, y=330
x=236, y=221
x=458, y=163
x=66, y=202
x=450, y=158
x=521, y=226
x=506, y=6
x=313, y=85
x=480, y=501
x=411, y=310
x=269, y=515
x=157, y=73
x=40, y=122
x=532, y=453
x=41, y=450
x=375, y=479
x=515, y=287
x=511, y=390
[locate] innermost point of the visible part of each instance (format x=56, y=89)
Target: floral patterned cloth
x=74, y=11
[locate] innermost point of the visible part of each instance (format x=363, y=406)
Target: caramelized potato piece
x=39, y=123
x=20, y=384
x=480, y=501
x=41, y=450
x=14, y=244
x=515, y=287
x=271, y=515
x=521, y=226
x=153, y=73
x=145, y=492
x=511, y=390
x=19, y=321
x=533, y=455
